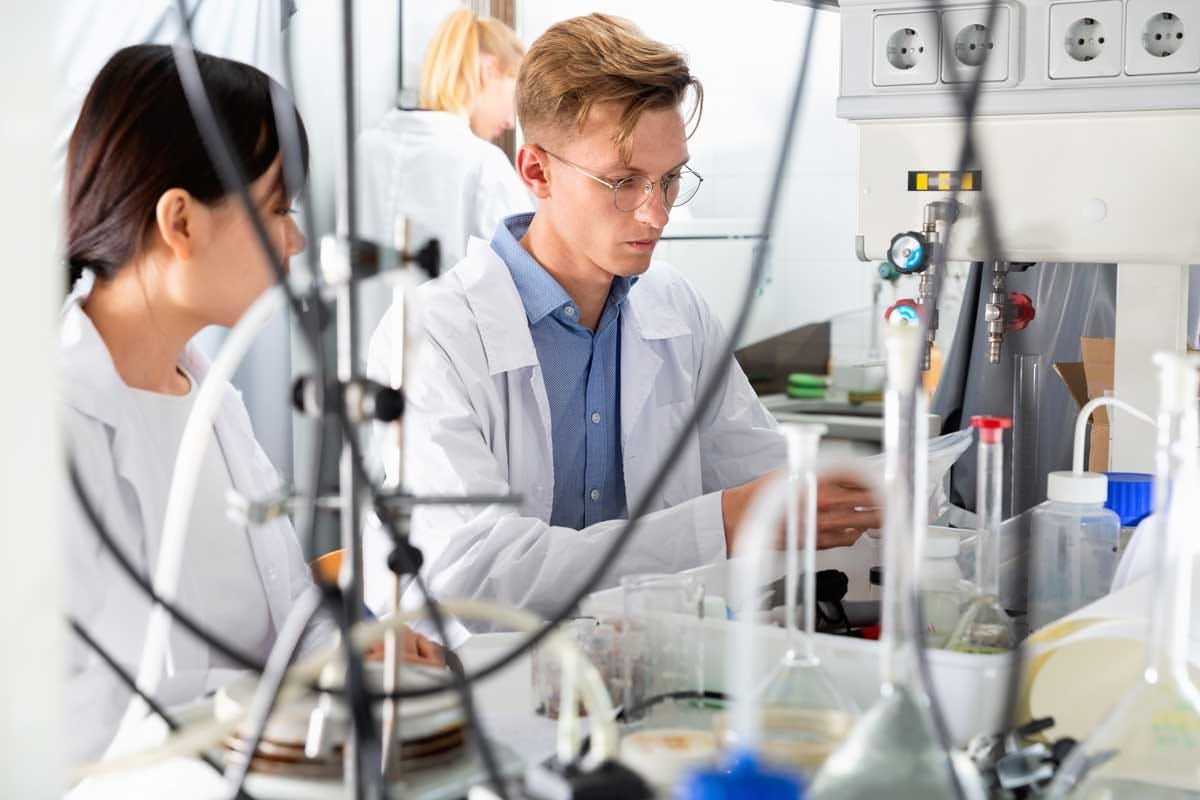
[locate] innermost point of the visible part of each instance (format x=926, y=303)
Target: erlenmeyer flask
x=1149, y=745
x=893, y=751
x=984, y=626
x=805, y=715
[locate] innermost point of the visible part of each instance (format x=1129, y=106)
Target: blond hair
x=587, y=61
x=450, y=76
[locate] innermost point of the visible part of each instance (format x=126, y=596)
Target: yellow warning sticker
x=939, y=181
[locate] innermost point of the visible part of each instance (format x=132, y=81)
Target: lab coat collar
x=497, y=308
x=402, y=120
x=92, y=379
x=503, y=324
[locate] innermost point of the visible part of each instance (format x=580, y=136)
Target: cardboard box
x=1087, y=380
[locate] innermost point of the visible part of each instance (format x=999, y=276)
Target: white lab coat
x=477, y=421
x=429, y=167
x=128, y=481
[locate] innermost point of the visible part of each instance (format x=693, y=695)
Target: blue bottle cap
x=1130, y=495
x=743, y=778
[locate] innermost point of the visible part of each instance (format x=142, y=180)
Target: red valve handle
x=906, y=318
x=1020, y=311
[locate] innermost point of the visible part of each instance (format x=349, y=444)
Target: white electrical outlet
x=1162, y=36
x=1086, y=39
x=969, y=44
x=906, y=49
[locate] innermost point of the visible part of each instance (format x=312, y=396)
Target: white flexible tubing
x=197, y=433
x=195, y=739
x=757, y=532
x=1085, y=414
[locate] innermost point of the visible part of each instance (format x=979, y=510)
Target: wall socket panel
x=1086, y=39
x=1162, y=37
x=970, y=45
x=1042, y=57
x=906, y=49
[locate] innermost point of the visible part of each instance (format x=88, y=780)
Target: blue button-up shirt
x=581, y=370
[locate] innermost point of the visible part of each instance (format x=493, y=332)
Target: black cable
x=152, y=704
x=367, y=741
x=217, y=143
x=235, y=655
x=272, y=677
x=969, y=99
x=624, y=714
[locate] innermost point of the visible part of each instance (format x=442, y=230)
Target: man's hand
x=845, y=508
x=416, y=650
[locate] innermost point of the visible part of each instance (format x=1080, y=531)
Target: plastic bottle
x=1074, y=546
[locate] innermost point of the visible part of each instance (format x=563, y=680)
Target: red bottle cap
x=991, y=429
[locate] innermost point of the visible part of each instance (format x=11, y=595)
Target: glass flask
x=894, y=751
x=985, y=626
x=1148, y=747
x=805, y=715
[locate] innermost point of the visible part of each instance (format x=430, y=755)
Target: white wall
x=747, y=56
x=31, y=671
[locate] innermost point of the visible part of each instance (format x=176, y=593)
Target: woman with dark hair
x=157, y=251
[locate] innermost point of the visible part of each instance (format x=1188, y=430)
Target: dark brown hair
x=136, y=138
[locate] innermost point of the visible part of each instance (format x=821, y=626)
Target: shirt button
x=596, y=417
x=569, y=311
x=595, y=494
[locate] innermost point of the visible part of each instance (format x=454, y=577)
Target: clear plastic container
x=944, y=592
x=1074, y=547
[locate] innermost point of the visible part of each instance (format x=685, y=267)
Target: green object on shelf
x=805, y=380
x=805, y=393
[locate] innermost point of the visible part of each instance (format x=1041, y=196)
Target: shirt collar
x=540, y=293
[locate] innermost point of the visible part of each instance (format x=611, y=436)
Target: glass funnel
x=1149, y=745
x=985, y=626
x=894, y=751
x=805, y=715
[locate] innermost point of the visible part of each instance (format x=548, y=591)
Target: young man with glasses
x=559, y=364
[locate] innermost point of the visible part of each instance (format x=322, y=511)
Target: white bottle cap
x=1077, y=487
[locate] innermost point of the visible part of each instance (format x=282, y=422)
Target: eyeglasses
x=630, y=194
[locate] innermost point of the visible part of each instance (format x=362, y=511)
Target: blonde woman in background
x=435, y=165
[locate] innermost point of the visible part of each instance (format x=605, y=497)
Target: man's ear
x=533, y=165
x=176, y=215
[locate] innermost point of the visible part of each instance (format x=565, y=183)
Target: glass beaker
x=1148, y=747
x=662, y=646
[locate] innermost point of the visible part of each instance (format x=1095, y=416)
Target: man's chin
x=632, y=264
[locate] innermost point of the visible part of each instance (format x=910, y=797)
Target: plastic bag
x=943, y=452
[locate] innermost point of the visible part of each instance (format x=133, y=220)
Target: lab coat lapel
x=93, y=387
x=648, y=326
x=254, y=478
x=504, y=330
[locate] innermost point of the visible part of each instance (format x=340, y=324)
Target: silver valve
x=1005, y=310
